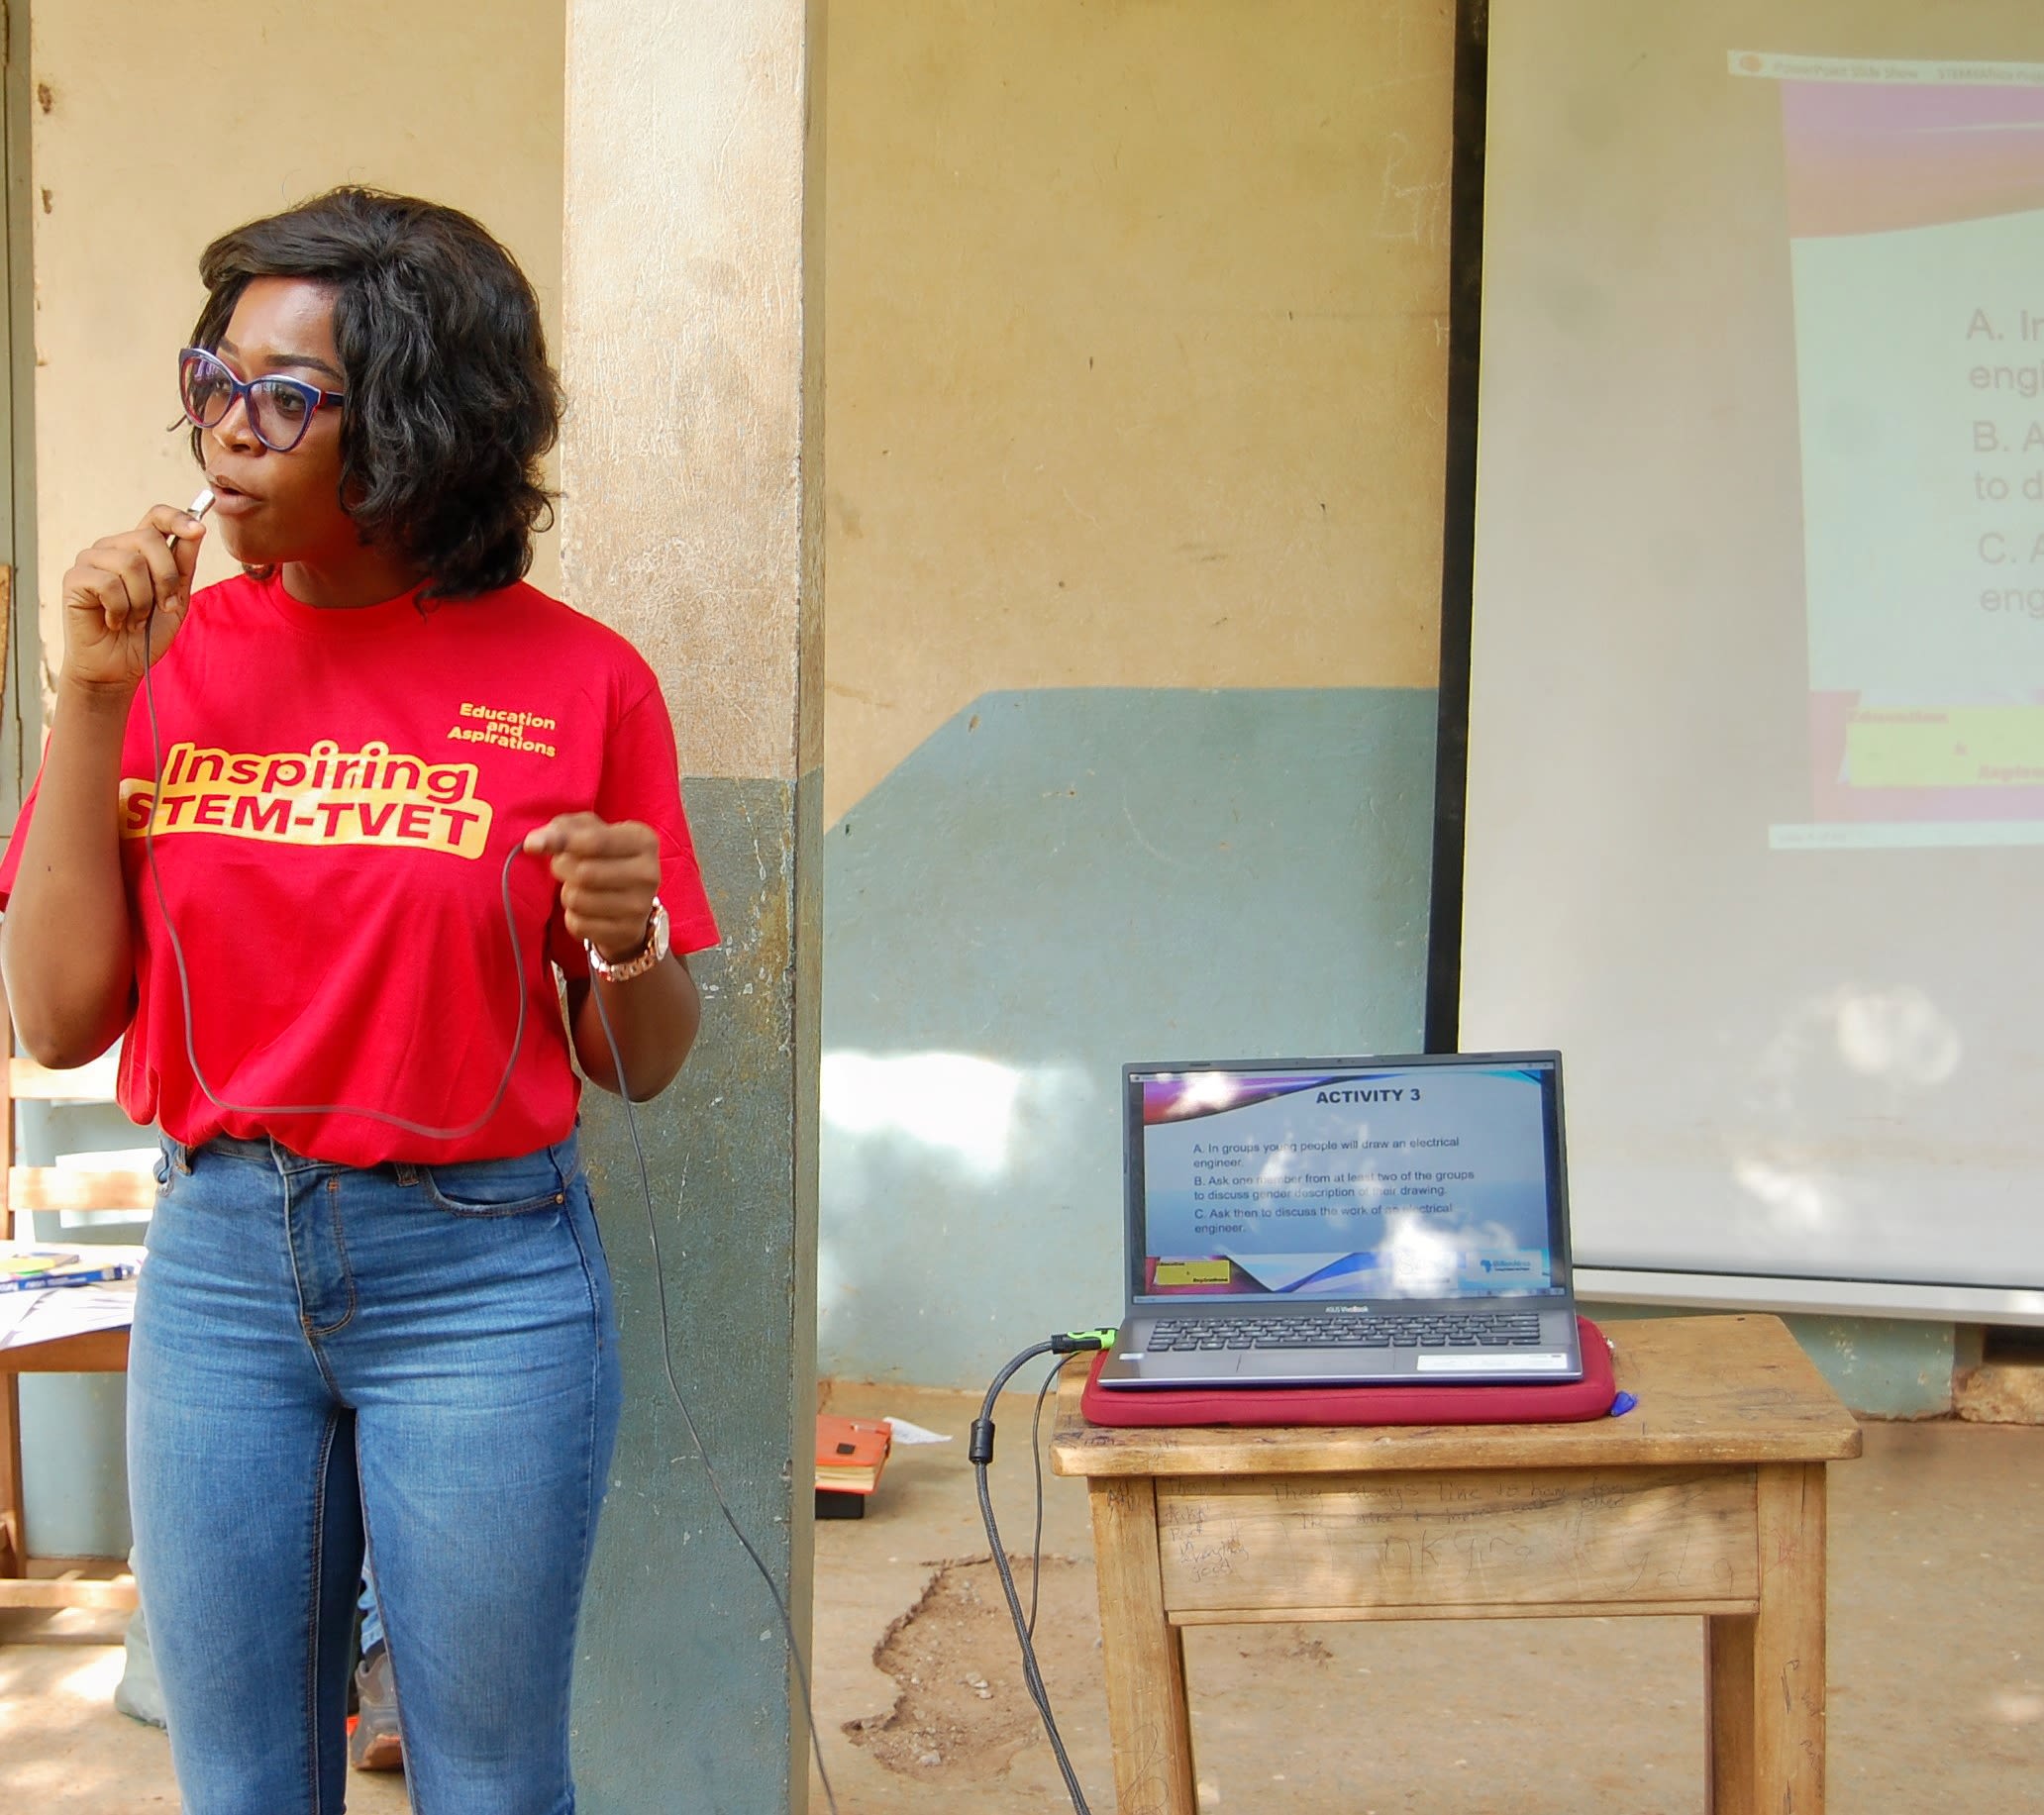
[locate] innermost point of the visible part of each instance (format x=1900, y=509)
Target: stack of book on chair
x=26, y=1267
x=849, y=1454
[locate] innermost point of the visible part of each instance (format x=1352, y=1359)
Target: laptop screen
x=1428, y=1178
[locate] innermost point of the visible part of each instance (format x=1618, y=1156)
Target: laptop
x=1321, y=1222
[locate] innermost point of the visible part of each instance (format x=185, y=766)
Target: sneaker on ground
x=374, y=1741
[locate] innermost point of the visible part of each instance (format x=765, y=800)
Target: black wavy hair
x=452, y=405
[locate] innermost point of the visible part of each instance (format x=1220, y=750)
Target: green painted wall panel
x=1053, y=884
x=683, y=1693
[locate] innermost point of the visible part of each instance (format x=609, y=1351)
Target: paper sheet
x=68, y=1310
x=906, y=1432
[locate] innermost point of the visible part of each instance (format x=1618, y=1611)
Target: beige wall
x=693, y=303
x=1136, y=359
x=1136, y=353
x=1135, y=330
x=157, y=126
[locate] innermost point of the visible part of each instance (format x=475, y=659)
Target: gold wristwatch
x=649, y=954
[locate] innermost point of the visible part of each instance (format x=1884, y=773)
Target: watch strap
x=647, y=956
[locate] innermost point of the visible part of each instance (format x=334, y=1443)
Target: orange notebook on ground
x=850, y=1452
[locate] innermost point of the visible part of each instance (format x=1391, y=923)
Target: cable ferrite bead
x=979, y=1446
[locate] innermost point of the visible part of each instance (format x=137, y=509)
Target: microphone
x=198, y=507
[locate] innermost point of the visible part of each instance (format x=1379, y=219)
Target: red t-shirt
x=341, y=789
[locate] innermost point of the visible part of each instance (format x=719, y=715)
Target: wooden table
x=1707, y=1499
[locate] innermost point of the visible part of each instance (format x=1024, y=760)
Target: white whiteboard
x=1749, y=835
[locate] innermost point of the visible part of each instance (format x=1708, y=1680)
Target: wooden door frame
x=21, y=710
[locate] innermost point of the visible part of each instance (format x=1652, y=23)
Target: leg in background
x=375, y=1741
x=371, y=1617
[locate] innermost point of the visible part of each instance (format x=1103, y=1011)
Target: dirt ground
x=1936, y=1666
x=1936, y=1661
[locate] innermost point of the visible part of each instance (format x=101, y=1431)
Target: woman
x=375, y=1310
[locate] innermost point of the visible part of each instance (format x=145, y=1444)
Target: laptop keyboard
x=1437, y=1330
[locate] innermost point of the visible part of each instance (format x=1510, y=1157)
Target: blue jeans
x=422, y=1359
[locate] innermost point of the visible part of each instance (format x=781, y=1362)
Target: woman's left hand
x=608, y=877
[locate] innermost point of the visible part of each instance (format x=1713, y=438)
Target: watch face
x=649, y=954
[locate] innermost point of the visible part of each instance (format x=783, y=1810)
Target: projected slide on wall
x=1755, y=815
x=1916, y=209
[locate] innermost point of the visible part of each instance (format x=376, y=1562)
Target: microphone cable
x=980, y=1451
x=425, y=1130
x=667, y=1347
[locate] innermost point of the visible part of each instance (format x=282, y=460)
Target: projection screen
x=1756, y=787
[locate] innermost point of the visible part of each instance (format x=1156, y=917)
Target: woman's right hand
x=126, y=597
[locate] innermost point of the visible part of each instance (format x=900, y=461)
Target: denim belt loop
x=567, y=1160
x=178, y=1153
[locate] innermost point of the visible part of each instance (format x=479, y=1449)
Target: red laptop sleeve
x=1557, y=1402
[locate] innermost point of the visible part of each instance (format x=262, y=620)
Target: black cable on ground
x=980, y=1451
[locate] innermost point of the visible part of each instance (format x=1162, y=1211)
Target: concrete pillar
x=692, y=521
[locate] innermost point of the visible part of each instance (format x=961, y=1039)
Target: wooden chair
x=26, y=1581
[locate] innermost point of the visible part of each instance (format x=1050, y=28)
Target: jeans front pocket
x=499, y=1187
